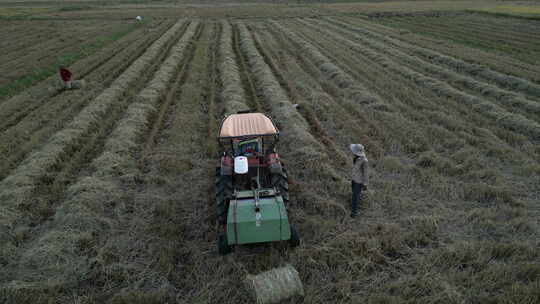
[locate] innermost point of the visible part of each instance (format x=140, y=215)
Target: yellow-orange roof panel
x=248, y=124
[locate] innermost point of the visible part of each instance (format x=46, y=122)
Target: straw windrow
x=93, y=201
x=19, y=186
x=232, y=92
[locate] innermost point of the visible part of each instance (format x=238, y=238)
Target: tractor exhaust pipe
x=275, y=285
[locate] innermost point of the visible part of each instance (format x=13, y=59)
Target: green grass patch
x=490, y=44
x=519, y=11
x=10, y=13
x=67, y=59
x=75, y=8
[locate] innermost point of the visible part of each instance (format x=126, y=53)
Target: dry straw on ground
x=510, y=99
x=18, y=188
x=451, y=218
x=31, y=123
x=511, y=121
x=232, y=91
x=303, y=154
x=505, y=80
x=319, y=100
x=502, y=63
x=275, y=96
x=350, y=87
x=43, y=90
x=80, y=219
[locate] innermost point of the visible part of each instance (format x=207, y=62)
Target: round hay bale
x=275, y=285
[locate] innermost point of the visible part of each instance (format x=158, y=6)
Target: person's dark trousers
x=356, y=197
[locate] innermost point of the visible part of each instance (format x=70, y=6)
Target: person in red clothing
x=65, y=74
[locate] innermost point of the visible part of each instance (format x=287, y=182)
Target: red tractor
x=249, y=160
x=252, y=189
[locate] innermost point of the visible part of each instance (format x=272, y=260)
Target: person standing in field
x=66, y=75
x=359, y=176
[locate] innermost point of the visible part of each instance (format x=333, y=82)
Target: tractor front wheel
x=281, y=182
x=294, y=241
x=224, y=192
x=223, y=245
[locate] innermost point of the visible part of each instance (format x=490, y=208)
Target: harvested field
x=519, y=39
x=32, y=51
x=30, y=118
x=107, y=193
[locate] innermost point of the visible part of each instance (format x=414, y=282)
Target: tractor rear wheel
x=224, y=191
x=294, y=241
x=281, y=182
x=223, y=245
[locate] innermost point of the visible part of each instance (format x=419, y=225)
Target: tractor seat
x=248, y=148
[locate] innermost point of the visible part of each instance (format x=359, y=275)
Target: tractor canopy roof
x=247, y=124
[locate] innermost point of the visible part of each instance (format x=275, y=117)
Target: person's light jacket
x=360, y=171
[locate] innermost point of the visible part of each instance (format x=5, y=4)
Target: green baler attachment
x=245, y=227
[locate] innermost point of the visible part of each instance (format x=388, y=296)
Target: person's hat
x=358, y=149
